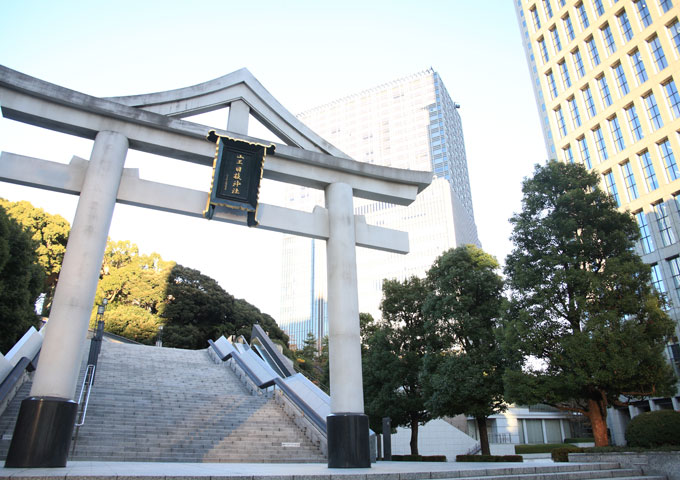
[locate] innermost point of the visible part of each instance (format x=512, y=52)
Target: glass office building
x=409, y=123
x=605, y=75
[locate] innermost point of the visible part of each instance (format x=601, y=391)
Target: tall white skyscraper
x=408, y=123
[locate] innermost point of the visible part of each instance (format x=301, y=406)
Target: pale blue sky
x=305, y=53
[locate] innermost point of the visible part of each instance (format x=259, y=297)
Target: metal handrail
x=87, y=383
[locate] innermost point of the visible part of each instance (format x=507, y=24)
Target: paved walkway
x=293, y=471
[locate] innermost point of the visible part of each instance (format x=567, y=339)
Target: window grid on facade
x=585, y=153
x=543, y=48
x=599, y=8
x=611, y=187
x=536, y=19
x=674, y=30
x=621, y=80
x=556, y=40
x=599, y=143
x=583, y=16
x=608, y=38
x=653, y=111
x=604, y=91
x=573, y=110
x=673, y=98
x=578, y=63
x=648, y=170
x=561, y=124
x=657, y=279
x=564, y=72
x=634, y=123
x=639, y=67
x=666, y=5
x=590, y=104
x=617, y=136
x=548, y=8
x=643, y=12
x=593, y=52
x=568, y=155
x=657, y=53
x=552, y=85
x=629, y=180
x=646, y=241
x=663, y=221
x=626, y=29
x=569, y=27
x=672, y=172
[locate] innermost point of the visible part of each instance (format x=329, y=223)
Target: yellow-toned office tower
x=412, y=123
x=606, y=75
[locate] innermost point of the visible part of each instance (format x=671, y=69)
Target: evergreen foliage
x=654, y=429
x=22, y=279
x=585, y=324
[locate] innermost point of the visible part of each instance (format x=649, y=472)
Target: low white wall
x=436, y=437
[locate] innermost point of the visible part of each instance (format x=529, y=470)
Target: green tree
x=463, y=308
x=586, y=326
x=50, y=232
x=393, y=357
x=21, y=281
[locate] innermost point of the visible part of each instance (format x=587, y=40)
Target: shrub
x=489, y=458
x=654, y=429
x=580, y=440
x=561, y=454
x=419, y=458
x=539, y=448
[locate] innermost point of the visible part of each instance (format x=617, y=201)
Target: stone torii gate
x=152, y=123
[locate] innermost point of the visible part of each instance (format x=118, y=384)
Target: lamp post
x=159, y=339
x=96, y=344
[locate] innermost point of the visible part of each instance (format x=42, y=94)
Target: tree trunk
x=597, y=414
x=483, y=435
x=414, y=435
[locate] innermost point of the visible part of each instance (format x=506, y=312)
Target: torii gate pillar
x=347, y=426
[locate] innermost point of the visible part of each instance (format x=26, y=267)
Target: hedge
x=419, y=458
x=539, y=448
x=489, y=458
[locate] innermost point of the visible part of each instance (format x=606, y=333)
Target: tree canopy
x=393, y=355
x=585, y=323
x=464, y=373
x=21, y=281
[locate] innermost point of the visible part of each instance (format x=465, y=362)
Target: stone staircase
x=171, y=405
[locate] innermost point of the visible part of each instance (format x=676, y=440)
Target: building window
x=646, y=241
x=599, y=143
x=575, y=115
x=634, y=123
x=604, y=91
x=657, y=279
x=569, y=27
x=552, y=85
x=543, y=48
x=561, y=125
x=653, y=111
x=617, y=136
x=673, y=98
x=629, y=180
x=568, y=155
x=592, y=51
x=657, y=53
x=674, y=264
x=666, y=5
x=621, y=80
x=643, y=12
x=578, y=63
x=626, y=29
x=585, y=153
x=639, y=67
x=611, y=187
x=648, y=170
x=608, y=38
x=674, y=30
x=556, y=40
x=599, y=8
x=564, y=72
x=536, y=19
x=588, y=100
x=663, y=221
x=672, y=172
x=548, y=8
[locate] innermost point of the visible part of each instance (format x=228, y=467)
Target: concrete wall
x=651, y=463
x=437, y=437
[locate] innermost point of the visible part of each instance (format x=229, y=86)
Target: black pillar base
x=42, y=434
x=348, y=440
